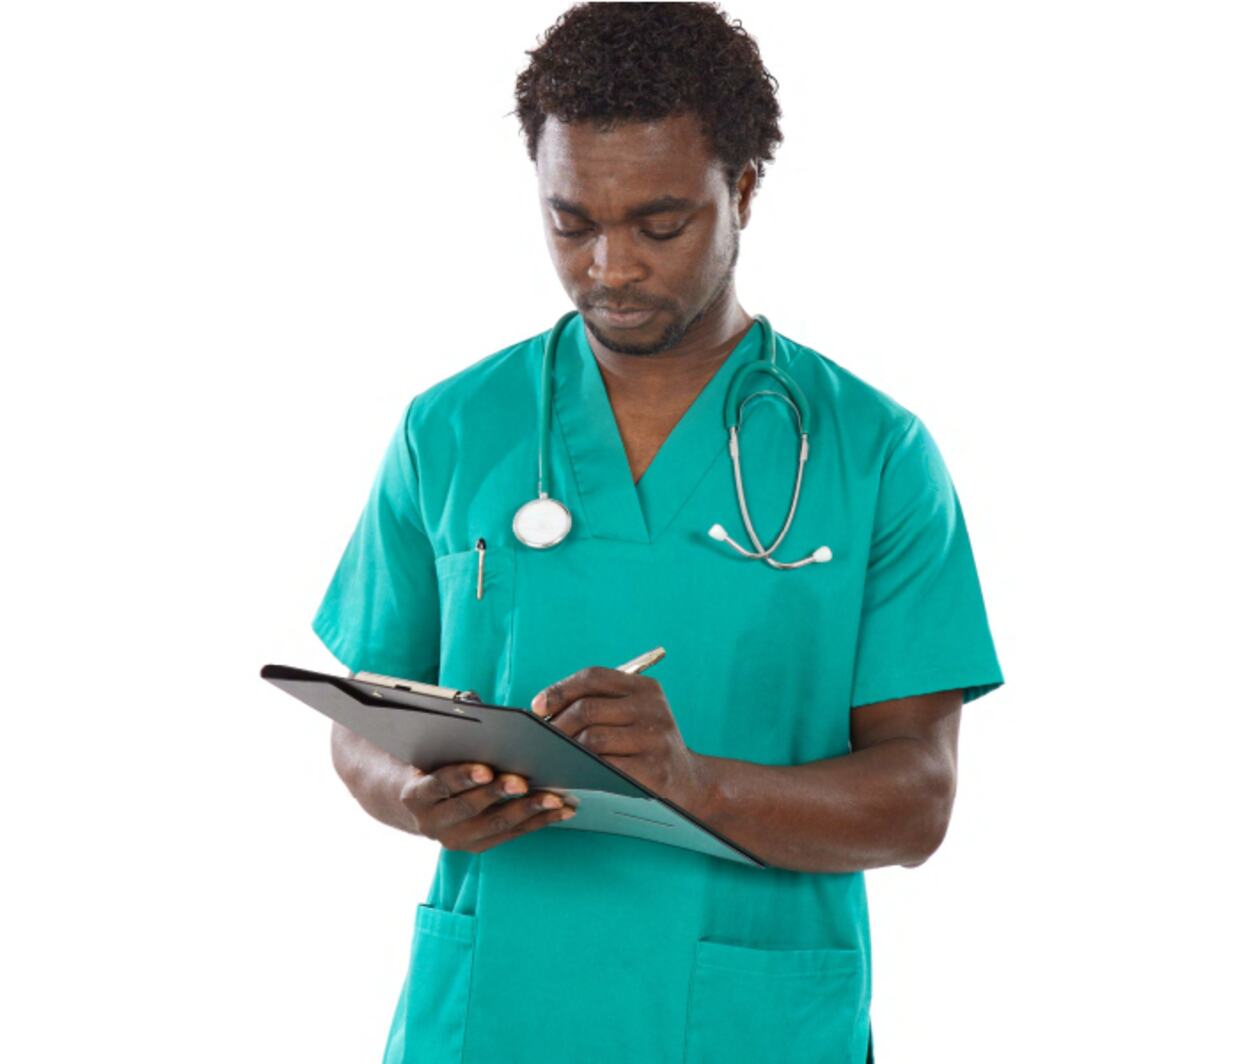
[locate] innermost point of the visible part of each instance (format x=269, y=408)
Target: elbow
x=926, y=843
x=931, y=820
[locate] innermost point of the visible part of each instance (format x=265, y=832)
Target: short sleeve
x=380, y=612
x=923, y=625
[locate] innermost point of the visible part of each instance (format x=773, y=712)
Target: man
x=809, y=714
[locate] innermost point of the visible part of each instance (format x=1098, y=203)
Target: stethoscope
x=543, y=522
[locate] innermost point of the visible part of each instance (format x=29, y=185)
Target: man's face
x=639, y=217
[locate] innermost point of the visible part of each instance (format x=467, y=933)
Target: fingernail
x=552, y=802
x=539, y=702
x=568, y=814
x=481, y=774
x=514, y=787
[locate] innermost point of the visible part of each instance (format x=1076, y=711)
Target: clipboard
x=429, y=726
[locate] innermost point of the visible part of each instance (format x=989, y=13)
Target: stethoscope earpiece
x=543, y=522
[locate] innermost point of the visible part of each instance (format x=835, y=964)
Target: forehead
x=632, y=162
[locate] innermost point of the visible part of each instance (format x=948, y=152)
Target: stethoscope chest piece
x=542, y=522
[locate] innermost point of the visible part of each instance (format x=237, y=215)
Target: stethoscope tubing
x=732, y=411
x=544, y=405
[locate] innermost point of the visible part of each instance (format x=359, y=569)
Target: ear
x=745, y=189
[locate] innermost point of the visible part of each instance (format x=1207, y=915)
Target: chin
x=630, y=342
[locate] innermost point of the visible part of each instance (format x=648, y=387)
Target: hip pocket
x=803, y=1005
x=476, y=629
x=433, y=1007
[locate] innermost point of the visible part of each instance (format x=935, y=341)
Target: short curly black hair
x=607, y=62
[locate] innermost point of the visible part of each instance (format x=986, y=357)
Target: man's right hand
x=459, y=806
x=447, y=804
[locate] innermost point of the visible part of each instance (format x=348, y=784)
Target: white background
x=236, y=238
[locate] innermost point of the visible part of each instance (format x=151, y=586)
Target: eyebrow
x=660, y=205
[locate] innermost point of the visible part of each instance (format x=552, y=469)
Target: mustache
x=625, y=302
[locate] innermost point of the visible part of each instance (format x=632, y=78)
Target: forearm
x=884, y=805
x=374, y=777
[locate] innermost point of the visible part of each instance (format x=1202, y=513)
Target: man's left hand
x=625, y=718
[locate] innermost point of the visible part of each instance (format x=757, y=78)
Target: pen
x=643, y=661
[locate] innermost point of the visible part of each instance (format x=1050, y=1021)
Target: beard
x=677, y=326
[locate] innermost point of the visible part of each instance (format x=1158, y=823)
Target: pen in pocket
x=481, y=563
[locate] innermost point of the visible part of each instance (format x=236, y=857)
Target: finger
x=588, y=710
x=631, y=766
x=606, y=740
x=472, y=803
x=429, y=788
x=595, y=680
x=533, y=823
x=501, y=819
x=426, y=789
x=469, y=785
x=466, y=807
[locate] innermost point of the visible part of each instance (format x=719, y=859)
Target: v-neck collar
x=615, y=506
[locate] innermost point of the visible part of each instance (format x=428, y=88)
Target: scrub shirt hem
x=333, y=641
x=974, y=682
x=347, y=651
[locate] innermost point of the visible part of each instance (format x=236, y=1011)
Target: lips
x=624, y=317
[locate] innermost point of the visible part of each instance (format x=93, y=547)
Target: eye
x=663, y=236
x=573, y=234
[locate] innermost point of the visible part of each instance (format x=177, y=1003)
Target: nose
x=615, y=264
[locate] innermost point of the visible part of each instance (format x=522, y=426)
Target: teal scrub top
x=571, y=946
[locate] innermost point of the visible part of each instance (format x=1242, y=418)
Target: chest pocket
x=477, y=633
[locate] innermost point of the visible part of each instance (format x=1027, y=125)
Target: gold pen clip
x=481, y=564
